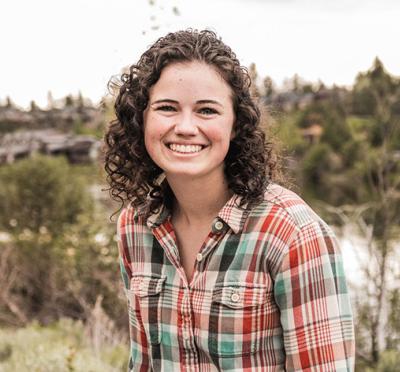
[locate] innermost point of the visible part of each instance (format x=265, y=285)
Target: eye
x=167, y=108
x=208, y=111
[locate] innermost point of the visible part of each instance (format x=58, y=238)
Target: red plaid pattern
x=268, y=292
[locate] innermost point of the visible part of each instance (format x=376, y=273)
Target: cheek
x=149, y=140
x=153, y=141
x=222, y=134
x=221, y=141
x=152, y=132
x=155, y=127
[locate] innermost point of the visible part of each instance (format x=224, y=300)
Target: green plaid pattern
x=268, y=292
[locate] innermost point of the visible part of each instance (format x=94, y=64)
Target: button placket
x=186, y=335
x=186, y=319
x=209, y=245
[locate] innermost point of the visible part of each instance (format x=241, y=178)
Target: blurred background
x=328, y=75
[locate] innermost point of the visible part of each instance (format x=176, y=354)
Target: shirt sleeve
x=139, y=349
x=315, y=311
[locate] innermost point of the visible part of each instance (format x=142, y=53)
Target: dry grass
x=64, y=346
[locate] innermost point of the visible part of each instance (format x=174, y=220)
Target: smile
x=185, y=149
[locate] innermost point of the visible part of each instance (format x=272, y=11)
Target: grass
x=61, y=347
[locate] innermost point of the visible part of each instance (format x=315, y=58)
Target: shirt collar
x=159, y=217
x=153, y=219
x=231, y=214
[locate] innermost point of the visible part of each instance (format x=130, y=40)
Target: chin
x=188, y=173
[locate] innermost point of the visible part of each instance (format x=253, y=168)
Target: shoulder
x=304, y=233
x=125, y=219
x=308, y=226
x=280, y=201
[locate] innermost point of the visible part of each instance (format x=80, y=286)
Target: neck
x=196, y=200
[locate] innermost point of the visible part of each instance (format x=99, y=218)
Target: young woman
x=223, y=268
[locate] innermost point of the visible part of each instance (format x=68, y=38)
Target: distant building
x=77, y=148
x=312, y=134
x=13, y=118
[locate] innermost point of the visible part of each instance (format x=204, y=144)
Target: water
x=358, y=255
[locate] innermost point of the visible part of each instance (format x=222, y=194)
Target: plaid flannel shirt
x=268, y=292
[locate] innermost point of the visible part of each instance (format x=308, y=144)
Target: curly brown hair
x=250, y=164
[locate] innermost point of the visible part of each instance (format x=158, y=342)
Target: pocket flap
x=147, y=285
x=240, y=296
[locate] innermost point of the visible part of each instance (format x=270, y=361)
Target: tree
x=80, y=101
x=269, y=88
x=59, y=256
x=298, y=85
x=255, y=92
x=355, y=169
x=50, y=100
x=376, y=171
x=373, y=91
x=33, y=106
x=69, y=101
x=9, y=102
x=37, y=194
x=382, y=179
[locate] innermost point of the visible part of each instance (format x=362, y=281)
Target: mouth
x=185, y=149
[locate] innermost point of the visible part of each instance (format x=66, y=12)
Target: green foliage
x=289, y=135
x=61, y=248
x=39, y=194
x=389, y=362
x=311, y=116
x=374, y=92
x=69, y=101
x=336, y=131
x=316, y=163
x=354, y=168
x=62, y=346
x=8, y=126
x=364, y=102
x=96, y=130
x=330, y=115
x=393, y=325
x=360, y=127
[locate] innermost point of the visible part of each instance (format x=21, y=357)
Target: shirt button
x=219, y=225
x=199, y=257
x=235, y=297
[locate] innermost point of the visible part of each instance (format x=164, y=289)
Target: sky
x=71, y=46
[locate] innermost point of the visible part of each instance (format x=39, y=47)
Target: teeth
x=185, y=148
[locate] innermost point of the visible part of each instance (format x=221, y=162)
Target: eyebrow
x=202, y=101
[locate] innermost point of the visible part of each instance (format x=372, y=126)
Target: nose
x=186, y=125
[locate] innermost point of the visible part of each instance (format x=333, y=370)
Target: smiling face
x=188, y=123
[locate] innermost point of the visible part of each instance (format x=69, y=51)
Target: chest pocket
x=147, y=293
x=236, y=319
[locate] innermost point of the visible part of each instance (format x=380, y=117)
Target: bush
x=63, y=346
x=61, y=254
x=39, y=193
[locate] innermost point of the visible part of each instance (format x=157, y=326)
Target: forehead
x=195, y=78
